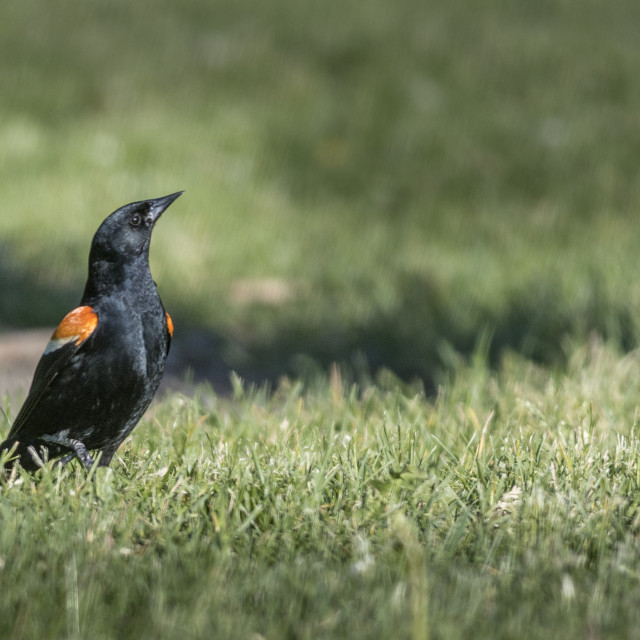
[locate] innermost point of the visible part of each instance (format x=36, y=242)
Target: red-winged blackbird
x=105, y=360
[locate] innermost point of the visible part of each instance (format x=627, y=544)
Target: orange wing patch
x=76, y=326
x=169, y=325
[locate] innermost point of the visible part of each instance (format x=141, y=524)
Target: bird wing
x=71, y=333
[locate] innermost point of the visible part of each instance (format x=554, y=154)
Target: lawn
x=440, y=198
x=506, y=506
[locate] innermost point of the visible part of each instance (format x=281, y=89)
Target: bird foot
x=79, y=450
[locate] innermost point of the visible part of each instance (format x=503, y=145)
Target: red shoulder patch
x=76, y=326
x=169, y=325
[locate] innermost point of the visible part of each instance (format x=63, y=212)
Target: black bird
x=105, y=360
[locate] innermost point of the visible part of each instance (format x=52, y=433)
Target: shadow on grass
x=422, y=338
x=25, y=300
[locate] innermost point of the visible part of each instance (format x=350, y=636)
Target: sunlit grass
x=507, y=505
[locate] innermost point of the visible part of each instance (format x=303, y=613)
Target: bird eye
x=136, y=220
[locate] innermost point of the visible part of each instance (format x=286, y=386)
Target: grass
x=507, y=506
x=442, y=192
x=409, y=177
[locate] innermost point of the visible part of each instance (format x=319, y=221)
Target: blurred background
x=378, y=184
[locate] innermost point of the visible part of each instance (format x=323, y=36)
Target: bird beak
x=157, y=206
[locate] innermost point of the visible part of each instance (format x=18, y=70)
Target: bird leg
x=79, y=450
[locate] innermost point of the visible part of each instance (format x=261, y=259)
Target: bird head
x=126, y=233
x=120, y=248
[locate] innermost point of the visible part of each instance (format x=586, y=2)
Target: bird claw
x=61, y=462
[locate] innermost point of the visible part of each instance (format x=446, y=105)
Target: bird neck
x=107, y=277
